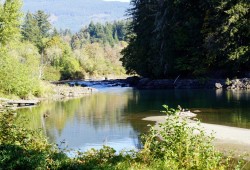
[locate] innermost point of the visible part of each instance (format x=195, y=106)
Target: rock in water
x=218, y=86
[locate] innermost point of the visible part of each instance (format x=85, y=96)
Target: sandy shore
x=227, y=139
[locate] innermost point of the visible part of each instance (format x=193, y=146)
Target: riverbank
x=56, y=92
x=178, y=83
x=227, y=139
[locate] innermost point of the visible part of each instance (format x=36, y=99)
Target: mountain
x=74, y=14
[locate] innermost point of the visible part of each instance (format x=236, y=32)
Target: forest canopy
x=189, y=38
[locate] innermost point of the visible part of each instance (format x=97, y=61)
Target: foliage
x=93, y=51
x=19, y=62
x=19, y=70
x=170, y=111
x=47, y=55
x=51, y=74
x=108, y=33
x=10, y=15
x=211, y=37
x=181, y=146
x=97, y=59
x=36, y=28
x=21, y=148
x=228, y=82
x=30, y=29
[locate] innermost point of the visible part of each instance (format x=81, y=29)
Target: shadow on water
x=113, y=115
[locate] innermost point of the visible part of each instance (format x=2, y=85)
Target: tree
x=43, y=23
x=30, y=29
x=10, y=14
x=231, y=35
x=138, y=55
x=36, y=28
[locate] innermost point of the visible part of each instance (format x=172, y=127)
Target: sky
x=119, y=0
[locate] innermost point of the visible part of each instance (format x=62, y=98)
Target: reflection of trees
x=231, y=108
x=220, y=107
x=99, y=110
x=237, y=117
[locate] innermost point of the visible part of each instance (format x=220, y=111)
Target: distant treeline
x=108, y=33
x=188, y=38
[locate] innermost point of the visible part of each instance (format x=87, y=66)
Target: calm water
x=113, y=115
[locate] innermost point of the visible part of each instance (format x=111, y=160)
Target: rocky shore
x=146, y=83
x=65, y=91
x=59, y=92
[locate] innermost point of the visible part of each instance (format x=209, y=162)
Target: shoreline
x=190, y=83
x=59, y=92
x=227, y=139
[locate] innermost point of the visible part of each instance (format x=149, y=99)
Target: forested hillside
x=32, y=50
x=188, y=38
x=68, y=14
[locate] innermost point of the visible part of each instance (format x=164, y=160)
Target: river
x=113, y=116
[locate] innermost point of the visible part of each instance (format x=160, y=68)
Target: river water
x=113, y=116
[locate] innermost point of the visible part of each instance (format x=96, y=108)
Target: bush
x=21, y=148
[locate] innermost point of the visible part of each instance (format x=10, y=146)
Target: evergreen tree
x=36, y=28
x=138, y=55
x=43, y=23
x=30, y=29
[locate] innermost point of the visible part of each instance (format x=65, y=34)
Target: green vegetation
x=175, y=145
x=93, y=51
x=18, y=61
x=31, y=52
x=19, y=71
x=189, y=38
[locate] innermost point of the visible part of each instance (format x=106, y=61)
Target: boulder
x=218, y=86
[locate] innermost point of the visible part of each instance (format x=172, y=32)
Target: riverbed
x=113, y=115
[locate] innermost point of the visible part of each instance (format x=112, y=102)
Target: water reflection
x=113, y=115
x=90, y=121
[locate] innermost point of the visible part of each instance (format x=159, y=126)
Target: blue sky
x=118, y=0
